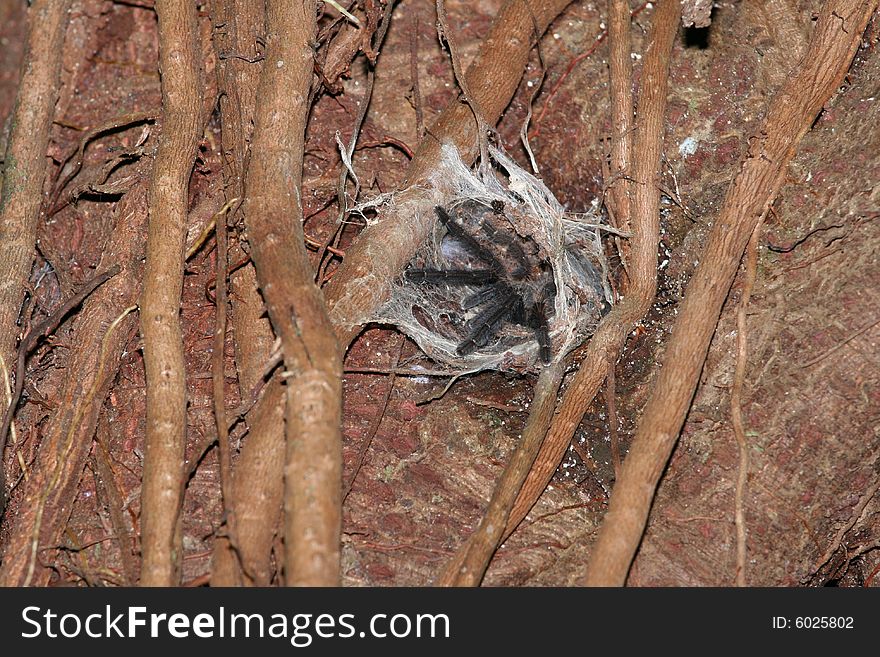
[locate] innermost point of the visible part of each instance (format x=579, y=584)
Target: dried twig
x=836, y=36
x=218, y=370
x=742, y=353
x=258, y=486
x=245, y=21
x=342, y=10
x=10, y=433
x=385, y=371
x=362, y=453
x=337, y=55
x=613, y=428
x=258, y=478
x=414, y=77
x=620, y=65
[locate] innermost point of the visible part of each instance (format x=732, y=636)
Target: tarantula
x=515, y=283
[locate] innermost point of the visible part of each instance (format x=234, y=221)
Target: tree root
x=25, y=160
x=273, y=213
x=837, y=35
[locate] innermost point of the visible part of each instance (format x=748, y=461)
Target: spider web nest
x=433, y=315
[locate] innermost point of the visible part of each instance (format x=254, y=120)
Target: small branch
x=620, y=66
x=258, y=479
x=258, y=485
x=613, y=428
x=362, y=453
x=342, y=10
x=218, y=370
x=530, y=108
x=414, y=77
x=401, y=372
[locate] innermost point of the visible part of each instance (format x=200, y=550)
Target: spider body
x=514, y=283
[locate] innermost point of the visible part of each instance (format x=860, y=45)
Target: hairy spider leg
x=479, y=298
x=535, y=318
x=451, y=276
x=512, y=249
x=464, y=238
x=483, y=325
x=538, y=323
